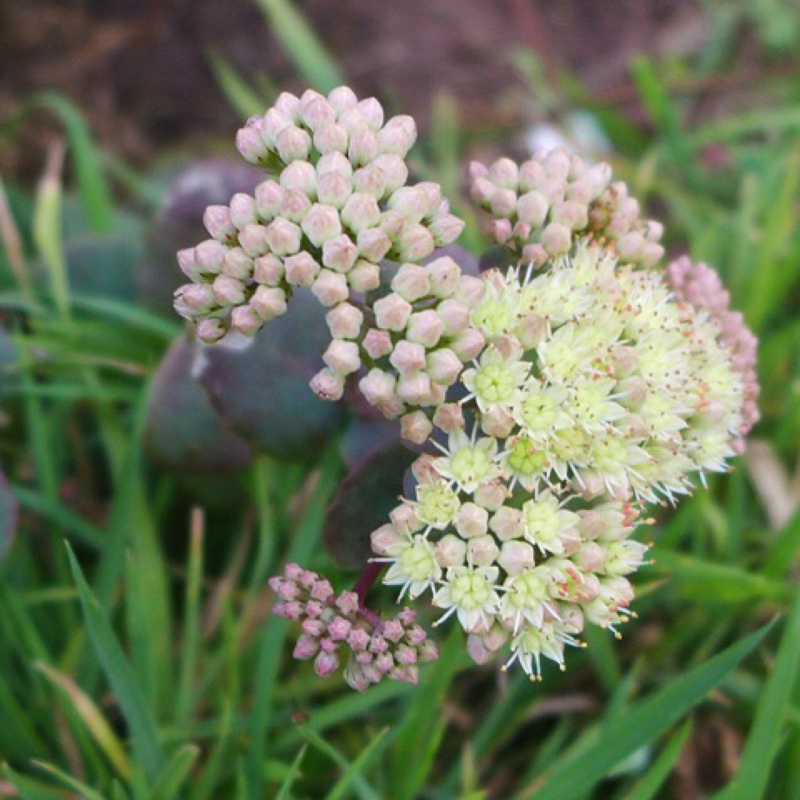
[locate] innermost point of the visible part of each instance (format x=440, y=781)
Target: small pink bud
x=373, y=244
x=491, y=495
x=443, y=366
x=358, y=639
x=377, y=386
x=450, y=551
x=411, y=202
x=404, y=519
x=243, y=210
x=289, y=104
x=531, y=331
x=387, y=541
x=531, y=175
x=427, y=651
x=407, y=357
x=228, y=291
x=394, y=170
x=339, y=253
x=307, y=647
x=392, y=312
x=269, y=198
x=372, y=112
x=500, y=230
x=347, y=603
x=363, y=146
x=326, y=664
x=651, y=254
x=556, y=239
x=313, y=627
x=449, y=416
x=406, y=655
x=471, y=520
x=445, y=229
x=407, y=674
x=454, y=316
x=354, y=677
x=344, y=321
x=254, y=240
x=414, y=389
x=507, y=523
x=532, y=208
x=292, y=144
x=481, y=191
x=339, y=628
x=330, y=288
x=301, y=269
x=468, y=344
x=341, y=98
x=414, y=243
x=470, y=290
x=497, y=422
x=268, y=270
x=443, y=276
x=326, y=385
x=194, y=300
x=331, y=138
x=482, y=550
x=503, y=202
x=295, y=205
x=300, y=175
x=187, y=261
x=333, y=189
x=283, y=237
x=570, y=214
x=250, y=145
x=246, y=321
x=415, y=427
x=212, y=330
x=516, y=557
x=364, y=276
x=504, y=173
x=342, y=357
x=237, y=264
x=361, y=211
x=334, y=162
x=321, y=223
x=411, y=282
x=398, y=135
x=217, y=221
x=378, y=343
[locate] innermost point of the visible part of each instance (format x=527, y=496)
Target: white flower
x=527, y=598
x=495, y=380
x=470, y=593
x=437, y=504
x=469, y=462
x=415, y=567
x=547, y=525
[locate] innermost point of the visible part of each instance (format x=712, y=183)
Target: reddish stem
x=366, y=580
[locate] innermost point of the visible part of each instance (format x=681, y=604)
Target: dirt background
x=140, y=68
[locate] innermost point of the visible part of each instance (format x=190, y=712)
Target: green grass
x=137, y=659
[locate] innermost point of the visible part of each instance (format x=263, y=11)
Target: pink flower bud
x=477, y=650
x=209, y=256
x=503, y=202
x=360, y=211
x=516, y=557
x=342, y=357
x=370, y=180
x=344, y=321
x=373, y=244
x=228, y=291
x=504, y=173
x=377, y=343
x=339, y=628
x=387, y=541
x=411, y=202
x=450, y=551
x=268, y=270
x=268, y=302
x=372, y=111
x=377, y=386
x=471, y=520
x=378, y=645
x=470, y=290
x=556, y=239
x=283, y=237
x=358, y=639
x=570, y=214
x=364, y=277
x=313, y=627
x=331, y=138
x=443, y=276
x=398, y=135
x=393, y=630
x=406, y=655
x=307, y=647
x=212, y=330
x=326, y=385
x=321, y=223
x=414, y=389
x=188, y=263
x=491, y=495
x=454, y=316
x=237, y=264
x=316, y=111
x=497, y=422
x=217, y=221
x=289, y=104
x=326, y=664
x=295, y=205
x=392, y=312
x=500, y=230
x=194, y=300
x=411, y=282
x=333, y=189
x=339, y=253
x=363, y=146
x=590, y=557
x=341, y=98
x=651, y=254
x=330, y=288
x=301, y=269
x=300, y=175
x=443, y=366
x=531, y=175
x=531, y=331
x=481, y=191
x=482, y=550
x=334, y=162
x=394, y=170
x=254, y=240
x=404, y=519
x=271, y=124
x=250, y=145
x=293, y=143
x=532, y=208
x=507, y=523
x=468, y=344
x=407, y=357
x=415, y=427
x=243, y=210
x=449, y=417
x=414, y=243
x=269, y=198
x=246, y=320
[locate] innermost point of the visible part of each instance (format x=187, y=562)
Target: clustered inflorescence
x=552, y=402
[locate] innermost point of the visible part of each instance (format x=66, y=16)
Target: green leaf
x=9, y=513
x=600, y=750
x=285, y=792
x=647, y=788
x=303, y=47
x=245, y=101
x=120, y=676
x=175, y=773
x=358, y=767
x=766, y=734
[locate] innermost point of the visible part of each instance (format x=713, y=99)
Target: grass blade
x=647, y=788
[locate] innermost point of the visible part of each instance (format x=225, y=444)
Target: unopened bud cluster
x=598, y=390
x=335, y=629
x=336, y=206
x=540, y=206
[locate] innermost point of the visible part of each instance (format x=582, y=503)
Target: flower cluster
x=597, y=390
x=336, y=206
x=334, y=623
x=700, y=285
x=551, y=402
x=540, y=206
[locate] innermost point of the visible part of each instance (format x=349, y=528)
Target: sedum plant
x=550, y=402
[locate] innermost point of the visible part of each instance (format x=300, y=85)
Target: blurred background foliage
x=148, y=488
